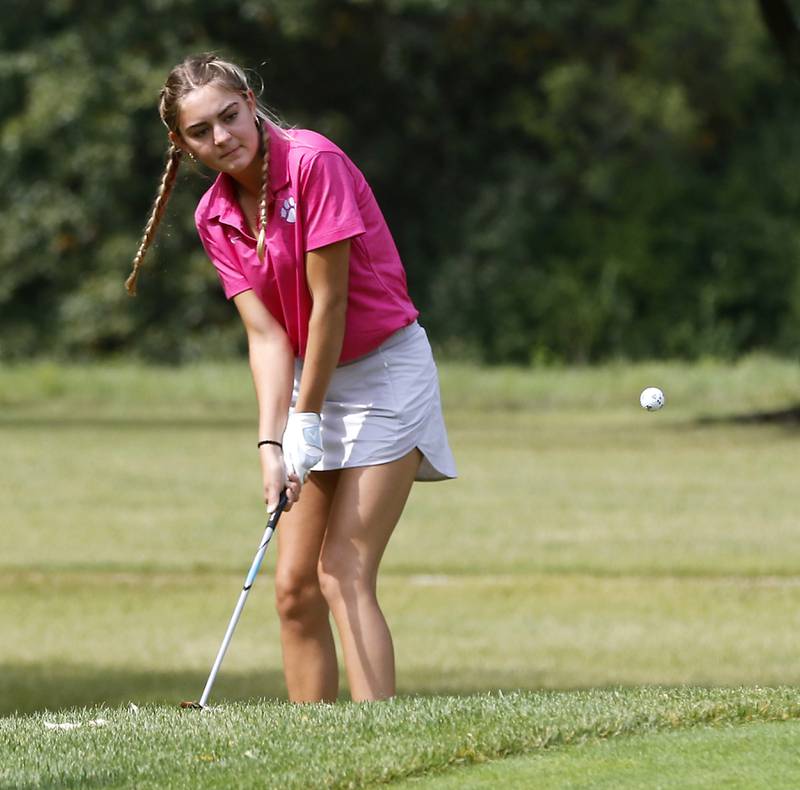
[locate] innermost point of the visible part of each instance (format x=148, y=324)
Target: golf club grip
x=272, y=525
x=276, y=514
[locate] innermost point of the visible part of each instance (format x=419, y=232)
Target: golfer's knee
x=341, y=580
x=298, y=599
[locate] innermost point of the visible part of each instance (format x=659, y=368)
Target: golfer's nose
x=221, y=135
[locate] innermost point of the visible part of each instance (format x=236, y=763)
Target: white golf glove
x=302, y=443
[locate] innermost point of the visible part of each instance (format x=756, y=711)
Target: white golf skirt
x=381, y=406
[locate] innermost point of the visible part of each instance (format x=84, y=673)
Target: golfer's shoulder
x=309, y=150
x=306, y=142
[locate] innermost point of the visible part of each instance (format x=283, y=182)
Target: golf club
x=272, y=525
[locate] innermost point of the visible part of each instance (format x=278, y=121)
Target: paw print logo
x=288, y=209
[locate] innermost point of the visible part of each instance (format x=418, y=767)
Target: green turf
x=81, y=638
x=587, y=543
x=762, y=755
x=270, y=744
x=134, y=461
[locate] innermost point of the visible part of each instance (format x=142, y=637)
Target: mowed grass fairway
x=589, y=553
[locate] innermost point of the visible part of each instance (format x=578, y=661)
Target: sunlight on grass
x=348, y=745
x=586, y=544
x=705, y=758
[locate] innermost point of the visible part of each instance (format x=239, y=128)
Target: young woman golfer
x=344, y=377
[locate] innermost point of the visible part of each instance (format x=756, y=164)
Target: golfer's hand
x=302, y=443
x=275, y=478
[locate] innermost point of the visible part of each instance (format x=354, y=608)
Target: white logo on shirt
x=288, y=209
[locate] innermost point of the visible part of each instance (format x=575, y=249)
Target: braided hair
x=195, y=72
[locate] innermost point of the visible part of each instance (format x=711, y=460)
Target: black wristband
x=270, y=441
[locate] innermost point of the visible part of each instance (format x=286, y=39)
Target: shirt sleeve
x=328, y=202
x=231, y=277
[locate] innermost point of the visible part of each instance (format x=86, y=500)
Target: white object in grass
x=62, y=725
x=98, y=722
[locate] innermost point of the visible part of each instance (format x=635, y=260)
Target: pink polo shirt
x=320, y=197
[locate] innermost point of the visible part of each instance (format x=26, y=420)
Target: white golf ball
x=652, y=398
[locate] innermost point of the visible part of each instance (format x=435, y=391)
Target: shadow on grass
x=789, y=418
x=30, y=688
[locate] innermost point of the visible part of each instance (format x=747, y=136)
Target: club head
x=192, y=705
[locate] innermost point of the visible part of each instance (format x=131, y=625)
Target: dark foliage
x=566, y=181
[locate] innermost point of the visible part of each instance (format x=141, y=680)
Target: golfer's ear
x=176, y=140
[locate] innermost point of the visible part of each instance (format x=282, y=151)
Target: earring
x=192, y=157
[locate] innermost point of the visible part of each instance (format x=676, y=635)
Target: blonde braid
x=164, y=190
x=262, y=208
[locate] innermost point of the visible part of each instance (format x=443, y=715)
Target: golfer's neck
x=249, y=180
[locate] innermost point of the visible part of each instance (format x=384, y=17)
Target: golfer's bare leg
x=309, y=654
x=366, y=507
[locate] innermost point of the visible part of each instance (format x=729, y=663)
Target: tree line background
x=566, y=181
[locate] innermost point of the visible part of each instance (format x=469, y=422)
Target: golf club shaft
x=248, y=583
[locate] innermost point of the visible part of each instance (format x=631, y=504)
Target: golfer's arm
x=327, y=271
x=271, y=363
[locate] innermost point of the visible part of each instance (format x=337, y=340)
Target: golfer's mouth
x=232, y=151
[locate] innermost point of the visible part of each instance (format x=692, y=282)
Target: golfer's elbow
x=269, y=345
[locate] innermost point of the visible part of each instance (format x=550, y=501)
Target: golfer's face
x=218, y=127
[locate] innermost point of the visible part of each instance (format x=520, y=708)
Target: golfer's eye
x=232, y=117
x=198, y=133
